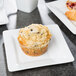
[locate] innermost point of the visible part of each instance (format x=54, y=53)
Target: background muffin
x=71, y=5
x=71, y=13
x=34, y=39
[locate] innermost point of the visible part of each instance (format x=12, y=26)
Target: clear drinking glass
x=27, y=5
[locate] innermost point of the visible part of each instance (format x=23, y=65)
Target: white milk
x=27, y=5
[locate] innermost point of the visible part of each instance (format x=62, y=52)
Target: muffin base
x=34, y=52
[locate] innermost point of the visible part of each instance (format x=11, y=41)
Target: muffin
x=71, y=5
x=71, y=13
x=34, y=39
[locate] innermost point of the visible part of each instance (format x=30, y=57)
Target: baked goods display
x=34, y=39
x=71, y=14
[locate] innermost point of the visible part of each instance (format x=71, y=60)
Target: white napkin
x=3, y=17
x=9, y=7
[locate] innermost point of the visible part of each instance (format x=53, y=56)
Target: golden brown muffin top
x=34, y=36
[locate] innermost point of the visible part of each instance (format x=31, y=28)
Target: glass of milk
x=26, y=5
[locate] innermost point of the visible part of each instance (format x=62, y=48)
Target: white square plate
x=59, y=8
x=58, y=51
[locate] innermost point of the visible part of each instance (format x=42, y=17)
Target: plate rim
x=65, y=23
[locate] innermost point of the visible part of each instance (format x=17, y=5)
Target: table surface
x=23, y=19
